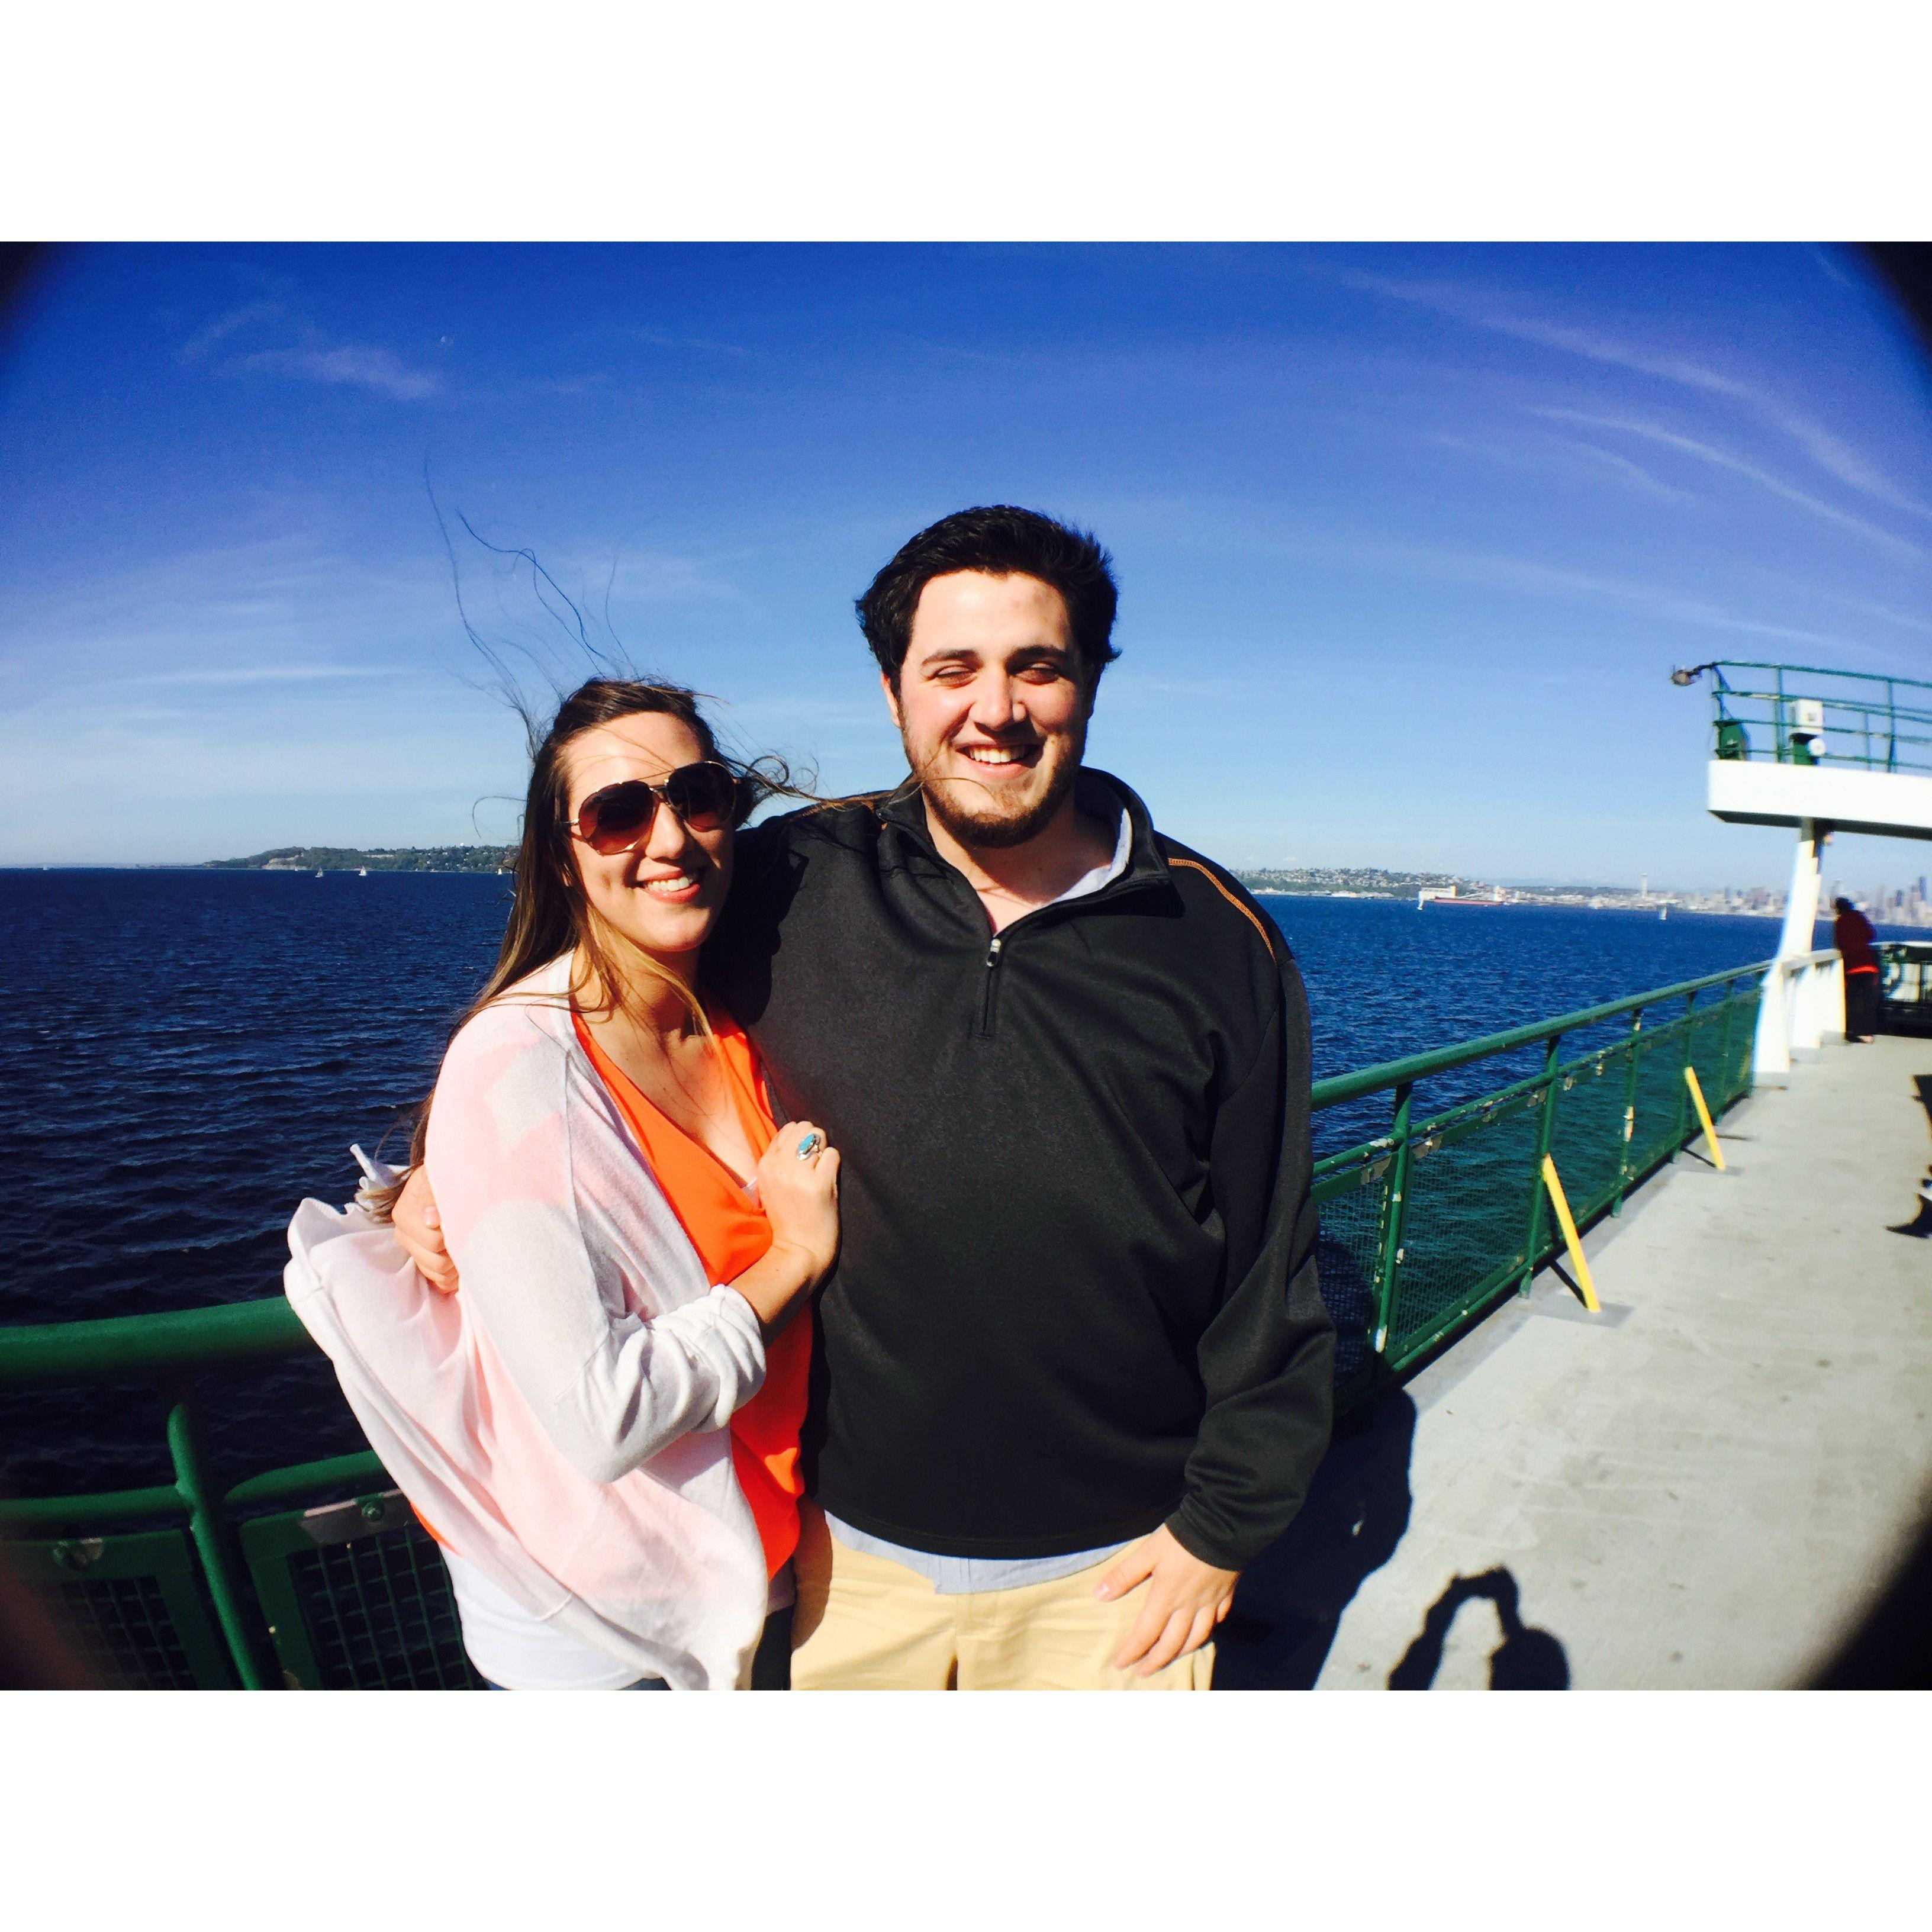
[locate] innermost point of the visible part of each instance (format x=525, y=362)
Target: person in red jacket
x=1852, y=934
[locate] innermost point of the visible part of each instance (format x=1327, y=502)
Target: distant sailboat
x=364, y=873
x=318, y=875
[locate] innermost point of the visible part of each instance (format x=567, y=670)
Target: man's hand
x=419, y=1228
x=1186, y=1599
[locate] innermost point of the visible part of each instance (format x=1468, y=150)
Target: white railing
x=1804, y=1000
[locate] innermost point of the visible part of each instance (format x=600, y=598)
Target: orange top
x=730, y=1231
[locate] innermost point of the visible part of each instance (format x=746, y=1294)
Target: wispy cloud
x=281, y=612
x=1531, y=455
x=358, y=364
x=268, y=674
x=658, y=338
x=1667, y=438
x=1626, y=471
x=1520, y=573
x=1884, y=612
x=1829, y=451
x=305, y=352
x=218, y=332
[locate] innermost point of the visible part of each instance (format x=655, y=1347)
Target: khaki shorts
x=865, y=1623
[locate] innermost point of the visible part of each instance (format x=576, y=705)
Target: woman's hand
x=418, y=1228
x=801, y=1196
x=801, y=1200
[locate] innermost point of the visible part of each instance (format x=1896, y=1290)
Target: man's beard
x=951, y=801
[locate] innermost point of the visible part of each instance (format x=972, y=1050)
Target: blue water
x=184, y=1055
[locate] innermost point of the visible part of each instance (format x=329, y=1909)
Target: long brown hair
x=550, y=913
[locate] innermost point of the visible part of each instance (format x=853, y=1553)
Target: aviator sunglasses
x=705, y=796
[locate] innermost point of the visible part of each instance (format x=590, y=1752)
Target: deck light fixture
x=1691, y=673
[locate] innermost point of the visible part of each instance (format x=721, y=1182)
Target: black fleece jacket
x=1075, y=1293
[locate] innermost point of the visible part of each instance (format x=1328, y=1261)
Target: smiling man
x=1073, y=1372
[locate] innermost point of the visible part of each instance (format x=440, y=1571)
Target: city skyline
x=1408, y=538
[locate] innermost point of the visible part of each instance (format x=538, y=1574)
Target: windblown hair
x=1001, y=541
x=550, y=912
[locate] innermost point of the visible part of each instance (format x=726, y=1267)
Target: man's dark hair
x=1002, y=542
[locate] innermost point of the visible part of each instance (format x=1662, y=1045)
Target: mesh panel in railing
x=1469, y=1194
x=1707, y=1054
x=1348, y=1255
x=1744, y=1033
x=127, y=1610
x=1586, y=1140
x=120, y=1632
x=1661, y=1097
x=381, y=1615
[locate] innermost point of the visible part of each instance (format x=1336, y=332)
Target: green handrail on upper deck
x=1879, y=724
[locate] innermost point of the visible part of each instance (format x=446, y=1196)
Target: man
x=1073, y=1372
x=1852, y=935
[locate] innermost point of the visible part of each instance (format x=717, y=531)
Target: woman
x=601, y=1429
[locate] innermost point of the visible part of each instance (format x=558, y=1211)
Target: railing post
x=212, y=1537
x=1532, y=1237
x=1391, y=1253
x=1683, y=1085
x=1630, y=1110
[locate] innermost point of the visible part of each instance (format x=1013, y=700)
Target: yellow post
x=1569, y=1227
x=1704, y=1116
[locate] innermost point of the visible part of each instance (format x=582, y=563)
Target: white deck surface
x=1710, y=1483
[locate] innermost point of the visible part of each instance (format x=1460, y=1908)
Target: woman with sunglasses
x=601, y=1429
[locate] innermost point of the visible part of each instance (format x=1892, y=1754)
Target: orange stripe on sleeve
x=1246, y=912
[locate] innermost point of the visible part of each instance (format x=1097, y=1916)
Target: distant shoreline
x=1635, y=908
x=383, y=859
x=1329, y=883
x=199, y=867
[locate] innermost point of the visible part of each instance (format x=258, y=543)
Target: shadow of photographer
x=1527, y=1659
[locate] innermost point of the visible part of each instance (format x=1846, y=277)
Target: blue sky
x=1408, y=537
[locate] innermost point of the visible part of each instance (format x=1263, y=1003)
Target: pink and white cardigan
x=561, y=1421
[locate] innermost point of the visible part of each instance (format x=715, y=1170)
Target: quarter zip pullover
x=1075, y=1294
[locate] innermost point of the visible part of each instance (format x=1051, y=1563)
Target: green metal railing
x=1425, y=1227
x=317, y=1576
x=189, y=1584
x=1802, y=715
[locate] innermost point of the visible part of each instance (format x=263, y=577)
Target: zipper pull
x=993, y=953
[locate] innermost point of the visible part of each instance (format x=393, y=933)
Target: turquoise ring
x=810, y=1145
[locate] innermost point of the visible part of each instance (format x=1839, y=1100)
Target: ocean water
x=184, y=1055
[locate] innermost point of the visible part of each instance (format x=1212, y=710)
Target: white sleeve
x=546, y=1210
